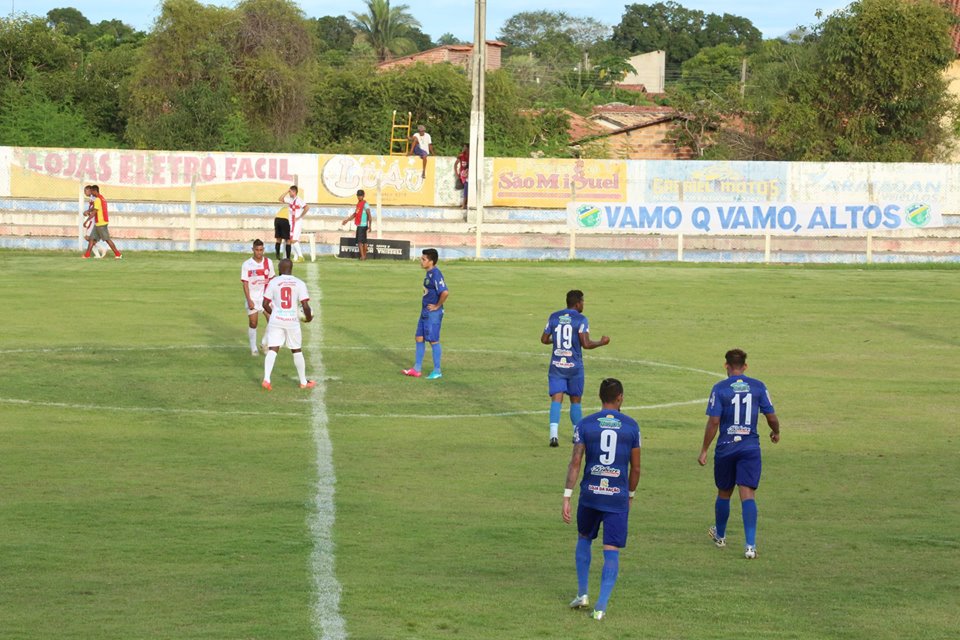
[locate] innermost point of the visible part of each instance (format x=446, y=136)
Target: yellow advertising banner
x=156, y=175
x=552, y=183
x=399, y=179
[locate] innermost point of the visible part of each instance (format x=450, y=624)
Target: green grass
x=150, y=489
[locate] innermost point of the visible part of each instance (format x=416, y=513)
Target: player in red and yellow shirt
x=101, y=217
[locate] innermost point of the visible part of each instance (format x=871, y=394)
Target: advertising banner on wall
x=399, y=179
x=746, y=218
x=552, y=183
x=159, y=175
x=700, y=181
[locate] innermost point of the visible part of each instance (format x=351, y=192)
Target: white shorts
x=286, y=334
x=257, y=305
x=295, y=234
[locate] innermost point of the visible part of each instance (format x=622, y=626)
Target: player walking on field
x=733, y=411
x=101, y=220
x=255, y=274
x=285, y=295
x=609, y=442
x=431, y=315
x=297, y=208
x=567, y=330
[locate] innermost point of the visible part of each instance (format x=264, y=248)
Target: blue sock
x=583, y=564
x=722, y=510
x=750, y=522
x=576, y=413
x=608, y=577
x=437, y=351
x=554, y=418
x=421, y=349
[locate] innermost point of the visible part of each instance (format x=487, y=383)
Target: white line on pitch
x=502, y=414
x=327, y=622
x=100, y=407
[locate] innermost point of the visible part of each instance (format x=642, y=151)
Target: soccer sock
x=296, y=250
x=437, y=352
x=749, y=508
x=268, y=364
x=576, y=413
x=421, y=349
x=252, y=334
x=608, y=577
x=554, y=418
x=582, y=557
x=722, y=510
x=277, y=246
x=301, y=366
x=286, y=247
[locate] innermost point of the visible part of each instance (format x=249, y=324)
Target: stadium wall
x=220, y=202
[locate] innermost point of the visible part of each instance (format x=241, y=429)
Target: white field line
x=168, y=410
x=503, y=414
x=328, y=624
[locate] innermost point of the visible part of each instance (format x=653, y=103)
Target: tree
x=389, y=30
x=68, y=20
x=553, y=36
x=448, y=39
x=334, y=33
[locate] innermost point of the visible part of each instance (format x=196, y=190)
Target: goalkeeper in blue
x=733, y=411
x=607, y=443
x=567, y=332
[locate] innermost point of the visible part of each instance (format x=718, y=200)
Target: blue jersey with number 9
x=609, y=438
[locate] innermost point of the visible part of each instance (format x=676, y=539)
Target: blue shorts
x=614, y=525
x=570, y=386
x=738, y=468
x=428, y=327
x=420, y=151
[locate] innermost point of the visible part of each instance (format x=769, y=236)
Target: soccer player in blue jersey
x=431, y=315
x=733, y=411
x=568, y=331
x=609, y=442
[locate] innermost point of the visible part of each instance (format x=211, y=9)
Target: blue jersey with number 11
x=609, y=438
x=565, y=327
x=738, y=401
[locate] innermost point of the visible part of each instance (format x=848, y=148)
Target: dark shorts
x=420, y=151
x=99, y=233
x=362, y=235
x=281, y=228
x=614, y=525
x=570, y=386
x=739, y=468
x=428, y=327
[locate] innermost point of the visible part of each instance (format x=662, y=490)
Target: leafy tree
x=68, y=20
x=27, y=44
x=389, y=30
x=552, y=35
x=448, y=39
x=334, y=33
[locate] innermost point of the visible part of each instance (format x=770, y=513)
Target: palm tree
x=386, y=28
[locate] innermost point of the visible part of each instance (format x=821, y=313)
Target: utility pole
x=743, y=77
x=477, y=107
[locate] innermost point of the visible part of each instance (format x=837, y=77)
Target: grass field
x=150, y=489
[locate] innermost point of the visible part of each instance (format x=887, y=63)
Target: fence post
x=80, y=211
x=679, y=247
x=313, y=248
x=766, y=249
x=379, y=199
x=193, y=213
x=572, y=253
x=869, y=247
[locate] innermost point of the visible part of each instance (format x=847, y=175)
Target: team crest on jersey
x=604, y=470
x=604, y=488
x=740, y=387
x=609, y=422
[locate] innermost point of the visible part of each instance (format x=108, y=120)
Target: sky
x=456, y=16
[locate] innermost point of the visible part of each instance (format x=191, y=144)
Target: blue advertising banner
x=752, y=218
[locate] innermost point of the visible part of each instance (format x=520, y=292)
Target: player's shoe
x=750, y=552
x=434, y=375
x=413, y=373
x=598, y=615
x=118, y=256
x=554, y=442
x=310, y=384
x=266, y=385
x=85, y=256
x=717, y=540
x=255, y=353
x=580, y=602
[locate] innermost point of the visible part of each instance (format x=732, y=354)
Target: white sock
x=301, y=366
x=268, y=364
x=252, y=334
x=554, y=429
x=296, y=250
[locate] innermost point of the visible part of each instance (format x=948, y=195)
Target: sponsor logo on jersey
x=740, y=387
x=564, y=319
x=563, y=353
x=738, y=431
x=609, y=422
x=604, y=470
x=563, y=364
x=603, y=489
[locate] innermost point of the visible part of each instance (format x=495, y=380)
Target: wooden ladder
x=403, y=129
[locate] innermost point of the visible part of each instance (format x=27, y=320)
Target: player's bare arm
x=709, y=433
x=634, y=471
x=267, y=306
x=774, y=423
x=545, y=338
x=587, y=343
x=573, y=471
x=307, y=311
x=246, y=292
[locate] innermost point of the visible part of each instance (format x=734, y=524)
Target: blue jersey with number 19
x=738, y=401
x=565, y=327
x=609, y=438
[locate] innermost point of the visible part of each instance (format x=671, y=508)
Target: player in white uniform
x=285, y=296
x=254, y=276
x=298, y=208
